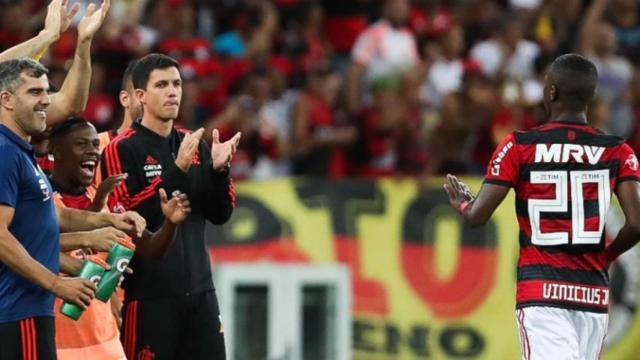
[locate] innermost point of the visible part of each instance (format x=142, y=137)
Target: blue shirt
x=24, y=187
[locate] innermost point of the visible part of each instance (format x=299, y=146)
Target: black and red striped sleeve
x=219, y=191
x=133, y=193
x=504, y=167
x=628, y=167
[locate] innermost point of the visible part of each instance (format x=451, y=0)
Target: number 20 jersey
x=563, y=176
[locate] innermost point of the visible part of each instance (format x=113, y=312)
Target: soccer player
x=29, y=254
x=177, y=289
x=563, y=174
x=75, y=144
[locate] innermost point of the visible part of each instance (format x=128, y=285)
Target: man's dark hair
x=10, y=71
x=143, y=68
x=61, y=130
x=575, y=78
x=128, y=74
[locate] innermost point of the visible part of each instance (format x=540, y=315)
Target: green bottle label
x=94, y=273
x=118, y=259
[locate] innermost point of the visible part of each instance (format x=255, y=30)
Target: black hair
x=575, y=79
x=128, y=74
x=59, y=131
x=143, y=67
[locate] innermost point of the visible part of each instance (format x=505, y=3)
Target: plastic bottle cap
x=98, y=261
x=127, y=243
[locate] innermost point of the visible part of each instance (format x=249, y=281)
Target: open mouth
x=88, y=167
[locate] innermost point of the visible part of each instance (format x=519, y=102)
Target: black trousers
x=181, y=327
x=28, y=339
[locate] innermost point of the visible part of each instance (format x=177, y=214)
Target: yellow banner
x=424, y=285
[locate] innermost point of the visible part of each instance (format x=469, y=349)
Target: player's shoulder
x=124, y=142
x=123, y=139
x=563, y=133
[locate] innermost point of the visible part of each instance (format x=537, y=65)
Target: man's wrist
x=223, y=169
x=463, y=206
x=49, y=36
x=183, y=167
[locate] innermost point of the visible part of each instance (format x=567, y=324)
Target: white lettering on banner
x=562, y=153
x=495, y=168
x=574, y=293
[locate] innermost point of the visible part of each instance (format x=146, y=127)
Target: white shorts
x=560, y=334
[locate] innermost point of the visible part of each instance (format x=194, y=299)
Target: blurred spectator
x=624, y=15
x=392, y=140
x=463, y=115
x=386, y=48
x=243, y=115
x=507, y=54
x=598, y=42
x=101, y=107
x=445, y=73
x=319, y=140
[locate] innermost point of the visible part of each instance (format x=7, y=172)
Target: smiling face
x=162, y=95
x=77, y=154
x=28, y=104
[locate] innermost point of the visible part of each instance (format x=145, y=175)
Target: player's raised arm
x=475, y=210
x=56, y=22
x=502, y=174
x=74, y=92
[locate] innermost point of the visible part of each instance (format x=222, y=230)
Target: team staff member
x=177, y=290
x=29, y=252
x=95, y=335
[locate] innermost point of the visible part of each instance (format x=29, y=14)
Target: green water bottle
x=119, y=257
x=93, y=269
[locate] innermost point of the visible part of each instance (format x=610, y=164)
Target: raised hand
x=458, y=192
x=177, y=209
x=75, y=290
x=104, y=238
x=222, y=153
x=92, y=20
x=130, y=222
x=58, y=18
x=188, y=147
x=104, y=189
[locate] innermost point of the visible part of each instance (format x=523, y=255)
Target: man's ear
x=6, y=100
x=123, y=96
x=553, y=93
x=140, y=95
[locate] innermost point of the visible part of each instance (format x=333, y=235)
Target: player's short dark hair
x=128, y=74
x=10, y=71
x=144, y=66
x=61, y=130
x=575, y=78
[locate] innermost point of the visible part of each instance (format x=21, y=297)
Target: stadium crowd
x=357, y=88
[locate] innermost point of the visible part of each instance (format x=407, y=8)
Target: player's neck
x=160, y=127
x=570, y=117
x=126, y=123
x=64, y=184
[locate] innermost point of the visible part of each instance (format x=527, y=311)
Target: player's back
x=563, y=175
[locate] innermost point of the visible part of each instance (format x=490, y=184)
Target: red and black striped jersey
x=563, y=176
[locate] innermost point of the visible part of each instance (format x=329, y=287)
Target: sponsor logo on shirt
x=558, y=153
x=46, y=194
x=495, y=164
x=152, y=168
x=631, y=162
